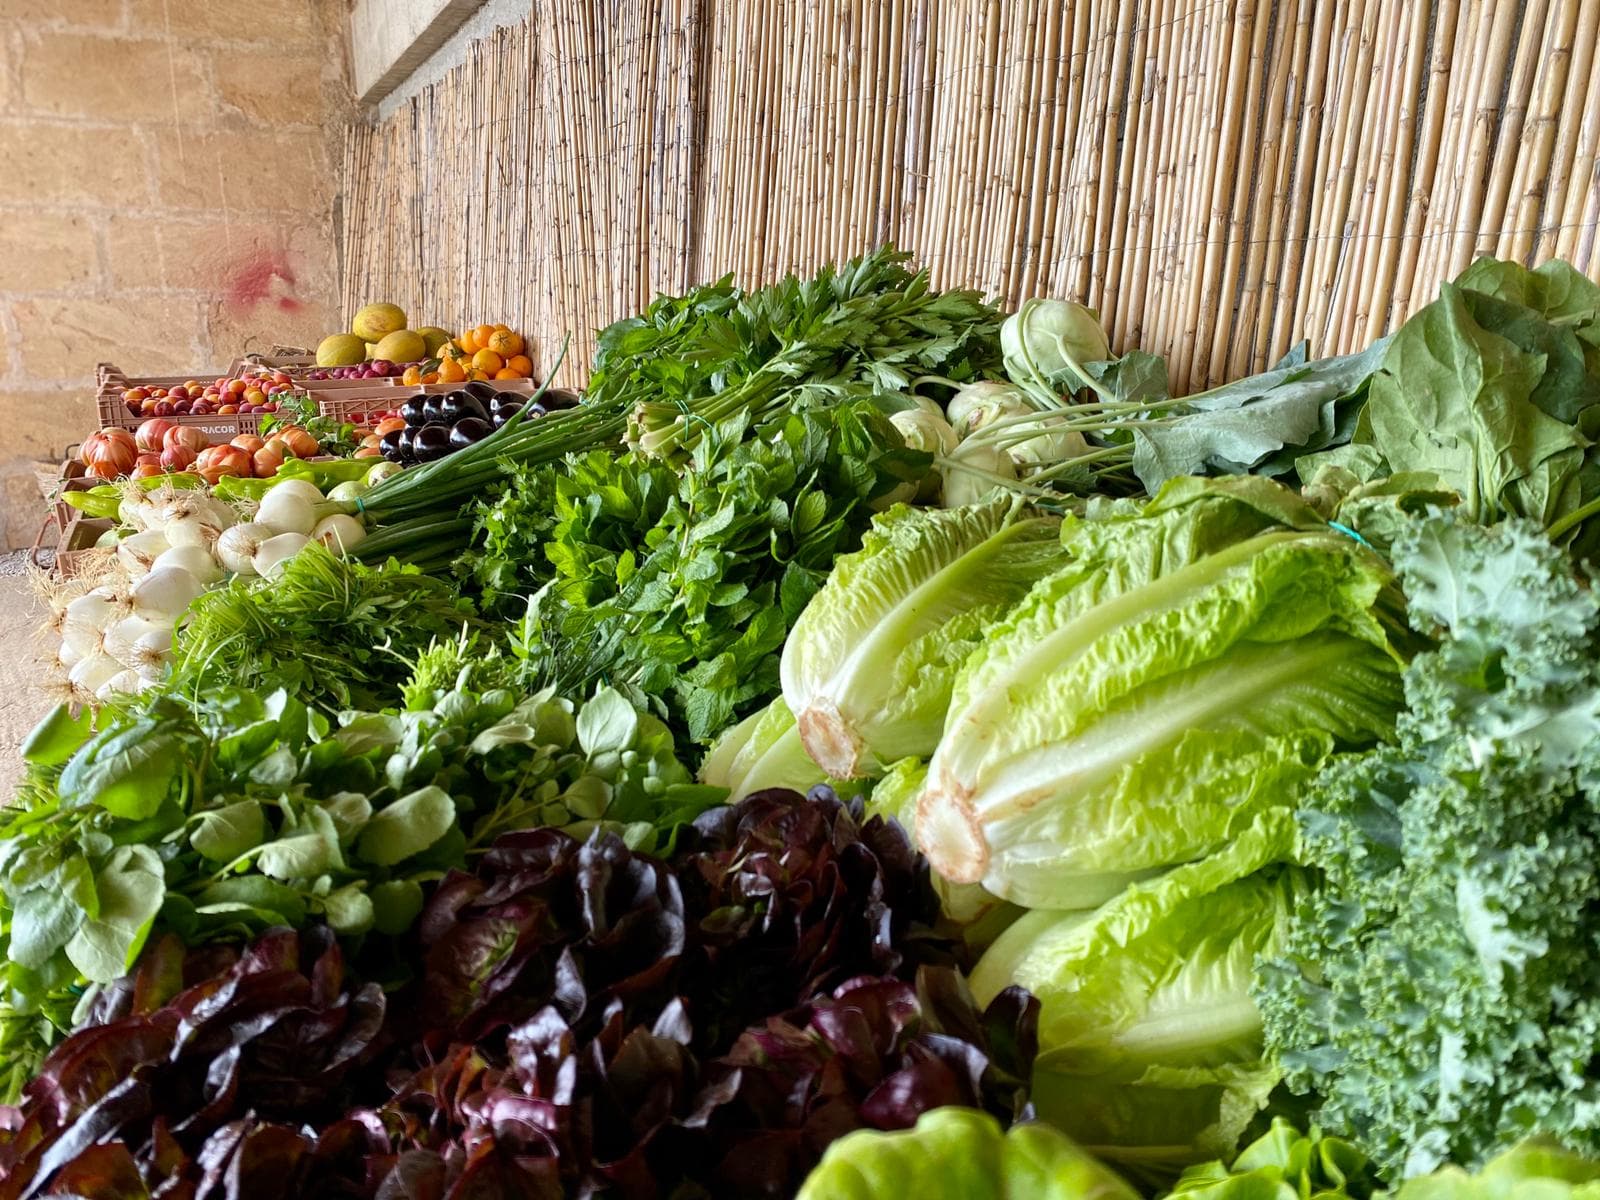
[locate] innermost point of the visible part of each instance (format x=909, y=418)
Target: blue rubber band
x=1350, y=533
x=361, y=506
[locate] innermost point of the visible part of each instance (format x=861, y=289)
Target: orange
x=477, y=373
x=482, y=334
x=431, y=377
x=521, y=364
x=468, y=341
x=505, y=343
x=488, y=361
x=502, y=325
x=508, y=373
x=451, y=371
x=411, y=376
x=452, y=350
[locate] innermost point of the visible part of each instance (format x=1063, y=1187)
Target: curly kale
x=1442, y=990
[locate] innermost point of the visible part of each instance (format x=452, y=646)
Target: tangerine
x=507, y=373
x=476, y=373
x=488, y=361
x=468, y=341
x=521, y=364
x=482, y=334
x=451, y=371
x=505, y=343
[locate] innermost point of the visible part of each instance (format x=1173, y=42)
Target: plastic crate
x=109, y=377
x=219, y=427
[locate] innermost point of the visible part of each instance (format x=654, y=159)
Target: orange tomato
x=521, y=364
x=367, y=452
x=505, y=343
x=389, y=425
x=488, y=361
x=249, y=441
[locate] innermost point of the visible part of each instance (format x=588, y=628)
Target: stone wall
x=168, y=174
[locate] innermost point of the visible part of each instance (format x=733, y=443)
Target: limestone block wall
x=167, y=192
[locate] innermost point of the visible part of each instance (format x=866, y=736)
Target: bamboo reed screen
x=1219, y=179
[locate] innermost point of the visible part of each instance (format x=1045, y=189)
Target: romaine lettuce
x=763, y=751
x=1193, y=665
x=1150, y=1046
x=869, y=664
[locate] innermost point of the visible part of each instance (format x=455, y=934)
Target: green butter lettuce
x=869, y=664
x=1193, y=665
x=1437, y=993
x=961, y=1154
x=1283, y=1164
x=1150, y=1045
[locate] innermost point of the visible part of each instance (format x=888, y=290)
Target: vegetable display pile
x=868, y=743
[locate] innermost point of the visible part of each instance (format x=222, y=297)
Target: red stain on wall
x=262, y=278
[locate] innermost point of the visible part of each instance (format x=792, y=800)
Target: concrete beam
x=389, y=39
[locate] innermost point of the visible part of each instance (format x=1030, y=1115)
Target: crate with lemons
x=380, y=344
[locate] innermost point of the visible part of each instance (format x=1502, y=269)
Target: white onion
x=287, y=512
x=219, y=513
x=161, y=596
x=93, y=672
x=302, y=488
x=196, y=560
x=121, y=637
x=137, y=554
x=151, y=653
x=339, y=532
x=123, y=683
x=236, y=548
x=136, y=510
x=69, y=656
x=275, y=551
x=86, y=621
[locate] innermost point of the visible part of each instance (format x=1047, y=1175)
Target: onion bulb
x=283, y=511
x=151, y=653
x=275, y=551
x=87, y=618
x=339, y=532
x=303, y=488
x=196, y=560
x=93, y=672
x=161, y=596
x=67, y=656
x=120, y=638
x=236, y=548
x=123, y=683
x=137, y=554
x=348, y=491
